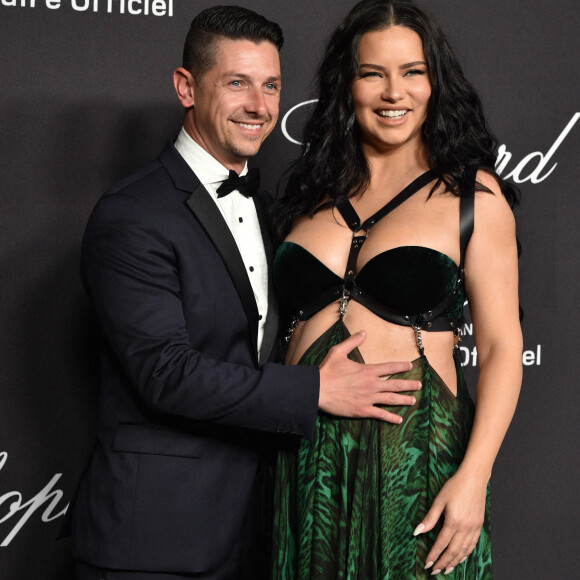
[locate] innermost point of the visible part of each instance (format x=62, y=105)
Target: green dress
x=346, y=503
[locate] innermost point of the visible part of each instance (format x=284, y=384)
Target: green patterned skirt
x=347, y=502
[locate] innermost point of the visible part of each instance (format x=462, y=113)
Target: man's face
x=236, y=102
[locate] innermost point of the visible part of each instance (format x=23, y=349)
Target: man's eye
x=236, y=83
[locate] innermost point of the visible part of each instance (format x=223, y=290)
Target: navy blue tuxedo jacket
x=184, y=405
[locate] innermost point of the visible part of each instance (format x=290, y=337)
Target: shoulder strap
x=466, y=211
x=349, y=215
x=401, y=197
x=352, y=219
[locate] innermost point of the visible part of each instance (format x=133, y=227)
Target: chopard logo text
x=14, y=507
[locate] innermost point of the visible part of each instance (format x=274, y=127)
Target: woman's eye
x=369, y=74
x=414, y=72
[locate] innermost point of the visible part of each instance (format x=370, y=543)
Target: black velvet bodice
x=407, y=285
x=408, y=279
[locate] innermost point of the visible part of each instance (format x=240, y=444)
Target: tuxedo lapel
x=216, y=228
x=212, y=221
x=271, y=325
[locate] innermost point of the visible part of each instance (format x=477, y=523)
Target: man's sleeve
x=131, y=274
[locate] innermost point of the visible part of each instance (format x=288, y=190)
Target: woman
x=393, y=216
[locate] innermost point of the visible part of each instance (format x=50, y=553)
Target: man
x=176, y=264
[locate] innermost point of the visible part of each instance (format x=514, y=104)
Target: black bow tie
x=246, y=185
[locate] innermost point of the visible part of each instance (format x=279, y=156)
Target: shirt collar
x=206, y=168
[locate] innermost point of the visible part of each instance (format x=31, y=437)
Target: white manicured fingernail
x=418, y=530
x=464, y=559
x=448, y=571
x=429, y=564
x=435, y=572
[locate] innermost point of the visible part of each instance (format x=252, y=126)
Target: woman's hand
x=461, y=502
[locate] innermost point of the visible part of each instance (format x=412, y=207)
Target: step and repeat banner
x=86, y=97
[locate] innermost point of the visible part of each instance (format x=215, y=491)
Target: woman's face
x=392, y=89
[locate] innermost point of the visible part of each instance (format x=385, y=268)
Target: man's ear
x=184, y=87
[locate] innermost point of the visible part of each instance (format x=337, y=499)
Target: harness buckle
x=344, y=300
x=419, y=337
x=456, y=338
x=293, y=326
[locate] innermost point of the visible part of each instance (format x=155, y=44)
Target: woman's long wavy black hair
x=332, y=162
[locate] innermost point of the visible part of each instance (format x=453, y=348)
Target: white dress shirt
x=240, y=215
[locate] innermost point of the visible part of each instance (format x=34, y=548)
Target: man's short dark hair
x=218, y=22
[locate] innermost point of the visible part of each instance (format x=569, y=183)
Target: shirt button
x=260, y=317
x=251, y=268
x=241, y=219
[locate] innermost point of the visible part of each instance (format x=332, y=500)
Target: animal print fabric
x=347, y=502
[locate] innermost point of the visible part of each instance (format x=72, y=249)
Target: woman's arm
x=491, y=276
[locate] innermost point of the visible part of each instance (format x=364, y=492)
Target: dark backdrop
x=86, y=96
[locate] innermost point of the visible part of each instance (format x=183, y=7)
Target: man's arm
x=132, y=274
